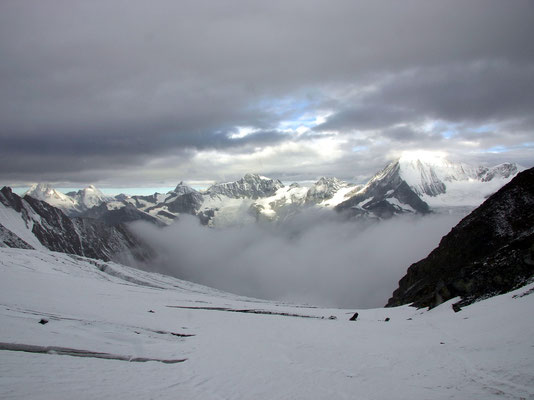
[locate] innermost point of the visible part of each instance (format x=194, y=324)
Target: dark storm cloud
x=476, y=92
x=401, y=133
x=367, y=116
x=481, y=91
x=105, y=82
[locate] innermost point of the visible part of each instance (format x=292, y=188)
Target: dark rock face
x=188, y=203
x=128, y=213
x=489, y=252
x=387, y=184
x=206, y=216
x=9, y=239
x=81, y=236
x=150, y=199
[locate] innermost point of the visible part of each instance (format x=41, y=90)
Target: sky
x=147, y=94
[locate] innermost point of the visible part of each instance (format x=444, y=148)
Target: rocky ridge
x=491, y=251
x=48, y=226
x=406, y=185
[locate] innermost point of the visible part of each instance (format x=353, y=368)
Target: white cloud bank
x=312, y=258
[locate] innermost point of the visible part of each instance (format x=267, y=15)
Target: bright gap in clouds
x=312, y=258
x=243, y=131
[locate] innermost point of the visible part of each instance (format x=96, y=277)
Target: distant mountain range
x=29, y=223
x=406, y=185
x=489, y=252
x=72, y=203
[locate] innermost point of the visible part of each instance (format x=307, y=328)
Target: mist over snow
x=312, y=258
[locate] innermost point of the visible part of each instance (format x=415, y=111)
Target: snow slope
x=14, y=222
x=483, y=352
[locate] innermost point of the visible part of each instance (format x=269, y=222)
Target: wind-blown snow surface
x=483, y=352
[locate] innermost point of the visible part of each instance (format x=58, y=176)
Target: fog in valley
x=313, y=258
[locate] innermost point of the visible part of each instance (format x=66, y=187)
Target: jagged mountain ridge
x=90, y=197
x=406, y=185
x=409, y=184
x=491, y=251
x=31, y=223
x=72, y=203
x=431, y=175
x=251, y=186
x=45, y=192
x=117, y=216
x=386, y=194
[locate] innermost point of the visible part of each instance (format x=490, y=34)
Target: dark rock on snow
x=490, y=252
x=387, y=184
x=86, y=237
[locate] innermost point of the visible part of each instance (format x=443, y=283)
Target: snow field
x=483, y=352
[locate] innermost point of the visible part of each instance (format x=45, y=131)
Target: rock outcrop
x=54, y=230
x=491, y=251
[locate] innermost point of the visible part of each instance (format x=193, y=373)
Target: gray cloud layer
x=92, y=89
x=312, y=258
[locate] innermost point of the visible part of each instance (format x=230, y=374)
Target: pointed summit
x=90, y=197
x=45, y=192
x=417, y=181
x=182, y=188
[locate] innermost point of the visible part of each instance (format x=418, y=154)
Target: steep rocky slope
x=30, y=223
x=489, y=252
x=386, y=194
x=414, y=183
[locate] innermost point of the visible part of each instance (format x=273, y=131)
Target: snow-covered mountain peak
x=42, y=190
x=182, y=188
x=45, y=192
x=441, y=182
x=250, y=186
x=255, y=178
x=324, y=189
x=72, y=203
x=90, y=197
x=501, y=171
x=430, y=173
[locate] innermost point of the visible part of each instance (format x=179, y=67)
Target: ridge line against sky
x=135, y=94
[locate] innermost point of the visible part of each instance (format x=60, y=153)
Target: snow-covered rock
x=501, y=171
x=90, y=197
x=72, y=203
x=431, y=174
x=386, y=194
x=43, y=226
x=45, y=192
x=421, y=182
x=251, y=186
x=324, y=189
x=414, y=183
